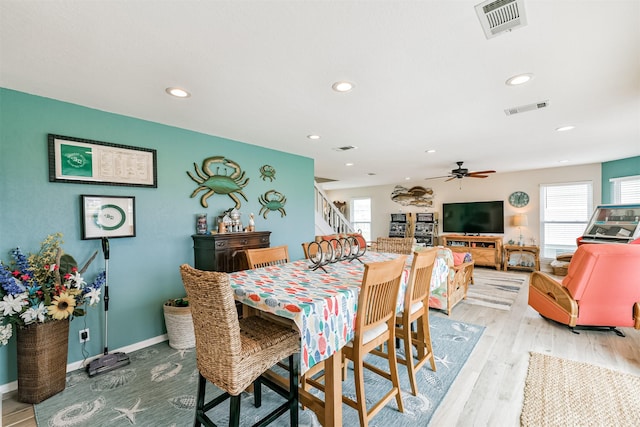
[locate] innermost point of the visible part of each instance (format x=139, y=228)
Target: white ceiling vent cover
x=499, y=16
x=524, y=108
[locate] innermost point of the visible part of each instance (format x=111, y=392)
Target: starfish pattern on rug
x=444, y=360
x=130, y=414
x=182, y=352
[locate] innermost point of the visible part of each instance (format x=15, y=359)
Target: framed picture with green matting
x=83, y=161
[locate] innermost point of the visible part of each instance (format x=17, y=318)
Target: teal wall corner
x=143, y=270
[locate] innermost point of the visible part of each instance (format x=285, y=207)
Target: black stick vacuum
x=107, y=362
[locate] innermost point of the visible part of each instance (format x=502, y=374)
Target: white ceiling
x=425, y=77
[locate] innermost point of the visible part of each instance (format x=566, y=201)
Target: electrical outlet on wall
x=84, y=335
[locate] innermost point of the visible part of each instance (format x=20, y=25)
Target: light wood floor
x=489, y=389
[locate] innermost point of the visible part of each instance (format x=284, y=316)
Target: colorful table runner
x=322, y=305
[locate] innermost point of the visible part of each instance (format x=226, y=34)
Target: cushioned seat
x=601, y=288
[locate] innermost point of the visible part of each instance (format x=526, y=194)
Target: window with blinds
x=565, y=212
x=626, y=189
x=361, y=216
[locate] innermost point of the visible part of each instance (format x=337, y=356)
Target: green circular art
x=110, y=217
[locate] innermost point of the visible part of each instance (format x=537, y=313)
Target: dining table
x=323, y=306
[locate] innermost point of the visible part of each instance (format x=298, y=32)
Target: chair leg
x=234, y=411
x=257, y=393
x=358, y=379
x=395, y=378
x=293, y=390
x=202, y=382
x=408, y=357
x=425, y=337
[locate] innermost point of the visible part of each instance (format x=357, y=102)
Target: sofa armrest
x=555, y=294
x=463, y=273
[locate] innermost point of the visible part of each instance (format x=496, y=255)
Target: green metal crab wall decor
x=267, y=171
x=272, y=200
x=213, y=182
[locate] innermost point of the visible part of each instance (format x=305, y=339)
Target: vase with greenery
x=177, y=319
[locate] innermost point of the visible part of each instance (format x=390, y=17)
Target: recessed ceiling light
x=177, y=92
x=313, y=136
x=343, y=86
x=348, y=164
x=519, y=79
x=430, y=151
x=407, y=178
x=565, y=128
x=563, y=161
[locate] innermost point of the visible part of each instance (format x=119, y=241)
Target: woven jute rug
x=560, y=392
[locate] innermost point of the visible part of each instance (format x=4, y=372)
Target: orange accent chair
x=601, y=289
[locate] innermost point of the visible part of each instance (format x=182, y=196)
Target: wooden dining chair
x=265, y=257
x=416, y=309
x=375, y=326
x=234, y=353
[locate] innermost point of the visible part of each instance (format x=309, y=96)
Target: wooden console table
x=522, y=264
x=485, y=250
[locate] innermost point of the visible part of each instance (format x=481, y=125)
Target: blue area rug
x=158, y=389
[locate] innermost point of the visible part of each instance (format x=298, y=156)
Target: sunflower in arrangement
x=43, y=287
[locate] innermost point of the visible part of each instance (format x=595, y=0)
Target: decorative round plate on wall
x=519, y=199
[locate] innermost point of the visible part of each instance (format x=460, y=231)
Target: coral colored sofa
x=601, y=288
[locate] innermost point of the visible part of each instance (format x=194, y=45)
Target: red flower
x=16, y=273
x=25, y=277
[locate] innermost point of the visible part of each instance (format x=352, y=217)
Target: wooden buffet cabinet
x=225, y=251
x=485, y=250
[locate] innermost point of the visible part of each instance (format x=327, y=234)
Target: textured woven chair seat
x=234, y=353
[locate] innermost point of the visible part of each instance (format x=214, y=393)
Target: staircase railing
x=330, y=213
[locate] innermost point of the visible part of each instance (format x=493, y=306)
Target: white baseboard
x=6, y=388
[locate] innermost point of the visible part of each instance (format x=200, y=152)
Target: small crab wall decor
x=214, y=182
x=272, y=200
x=267, y=171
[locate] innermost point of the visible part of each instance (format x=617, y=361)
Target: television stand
x=485, y=250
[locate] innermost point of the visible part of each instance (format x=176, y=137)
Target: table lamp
x=520, y=220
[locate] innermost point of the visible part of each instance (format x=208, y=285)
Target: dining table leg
x=333, y=390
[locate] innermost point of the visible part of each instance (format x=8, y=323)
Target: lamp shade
x=520, y=220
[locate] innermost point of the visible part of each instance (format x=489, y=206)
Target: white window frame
x=366, y=231
x=546, y=249
x=625, y=189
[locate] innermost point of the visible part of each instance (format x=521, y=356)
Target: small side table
x=531, y=252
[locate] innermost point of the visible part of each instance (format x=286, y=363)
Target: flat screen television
x=473, y=217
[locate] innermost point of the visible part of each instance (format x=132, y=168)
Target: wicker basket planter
x=179, y=324
x=42, y=360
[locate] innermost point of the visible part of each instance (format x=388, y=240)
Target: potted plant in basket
x=39, y=294
x=177, y=318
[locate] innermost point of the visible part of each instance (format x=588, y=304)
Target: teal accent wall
x=617, y=169
x=143, y=270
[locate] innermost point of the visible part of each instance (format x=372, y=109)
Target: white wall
x=496, y=187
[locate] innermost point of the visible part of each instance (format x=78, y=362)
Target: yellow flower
x=62, y=306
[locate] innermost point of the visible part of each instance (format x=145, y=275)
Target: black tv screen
x=473, y=217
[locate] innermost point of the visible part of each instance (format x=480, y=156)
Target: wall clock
x=519, y=199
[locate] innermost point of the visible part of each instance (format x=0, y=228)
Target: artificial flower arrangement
x=44, y=287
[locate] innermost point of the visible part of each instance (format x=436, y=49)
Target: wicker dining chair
x=395, y=245
x=234, y=353
x=375, y=326
x=265, y=257
x=416, y=308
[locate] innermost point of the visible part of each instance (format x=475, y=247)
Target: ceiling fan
x=461, y=172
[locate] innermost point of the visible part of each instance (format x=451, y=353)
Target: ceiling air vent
x=524, y=108
x=499, y=16
x=345, y=148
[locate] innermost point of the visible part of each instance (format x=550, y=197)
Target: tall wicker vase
x=42, y=360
